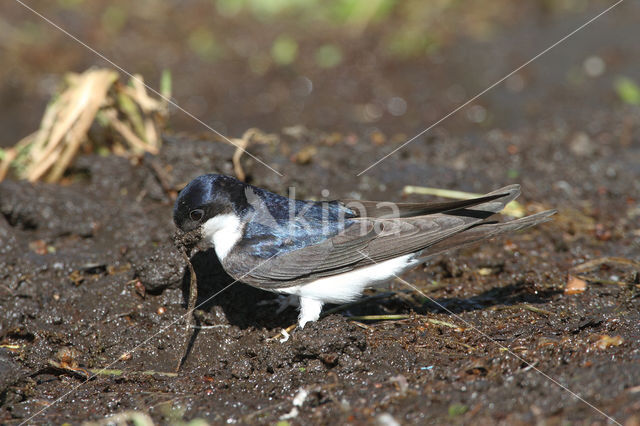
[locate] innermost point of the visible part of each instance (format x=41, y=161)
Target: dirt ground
x=90, y=279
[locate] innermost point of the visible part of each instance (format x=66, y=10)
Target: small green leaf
x=165, y=84
x=457, y=409
x=628, y=90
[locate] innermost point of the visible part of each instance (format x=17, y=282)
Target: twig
x=189, y=318
x=379, y=317
x=116, y=372
x=536, y=310
x=163, y=178
x=283, y=333
x=9, y=346
x=597, y=280
x=592, y=264
x=241, y=147
x=444, y=323
x=402, y=317
x=361, y=325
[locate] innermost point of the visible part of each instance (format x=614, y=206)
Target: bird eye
x=196, y=215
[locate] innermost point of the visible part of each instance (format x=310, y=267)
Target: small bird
x=330, y=251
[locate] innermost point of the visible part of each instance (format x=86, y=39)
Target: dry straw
x=126, y=113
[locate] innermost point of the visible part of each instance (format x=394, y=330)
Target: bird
x=330, y=251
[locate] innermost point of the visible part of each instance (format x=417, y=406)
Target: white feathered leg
x=309, y=310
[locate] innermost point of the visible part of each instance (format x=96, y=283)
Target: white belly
x=348, y=286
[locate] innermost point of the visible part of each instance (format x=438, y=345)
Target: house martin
x=329, y=251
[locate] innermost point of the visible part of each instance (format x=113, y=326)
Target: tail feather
x=485, y=230
x=507, y=195
x=493, y=200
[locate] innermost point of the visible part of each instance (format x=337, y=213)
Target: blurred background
x=378, y=67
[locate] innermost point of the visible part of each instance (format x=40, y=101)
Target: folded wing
x=423, y=229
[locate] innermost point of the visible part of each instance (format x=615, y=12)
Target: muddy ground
x=88, y=272
x=72, y=256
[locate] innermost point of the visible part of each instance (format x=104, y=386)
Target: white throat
x=223, y=231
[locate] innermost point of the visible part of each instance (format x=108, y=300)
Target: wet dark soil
x=507, y=344
x=91, y=280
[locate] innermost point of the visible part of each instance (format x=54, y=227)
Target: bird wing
x=373, y=240
x=364, y=208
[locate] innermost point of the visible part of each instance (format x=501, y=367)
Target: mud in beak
x=191, y=242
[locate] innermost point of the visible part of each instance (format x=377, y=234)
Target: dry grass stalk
x=241, y=145
x=95, y=95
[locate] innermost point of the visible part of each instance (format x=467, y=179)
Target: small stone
x=330, y=359
x=594, y=66
x=581, y=145
x=241, y=369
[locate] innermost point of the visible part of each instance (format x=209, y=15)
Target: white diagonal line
x=141, y=344
x=133, y=77
x=473, y=327
x=492, y=86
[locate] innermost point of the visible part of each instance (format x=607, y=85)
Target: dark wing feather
x=371, y=209
x=485, y=230
x=372, y=240
x=342, y=249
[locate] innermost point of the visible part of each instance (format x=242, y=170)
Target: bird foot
x=282, y=302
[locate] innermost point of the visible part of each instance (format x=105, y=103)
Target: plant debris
x=606, y=342
x=575, y=285
x=95, y=97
